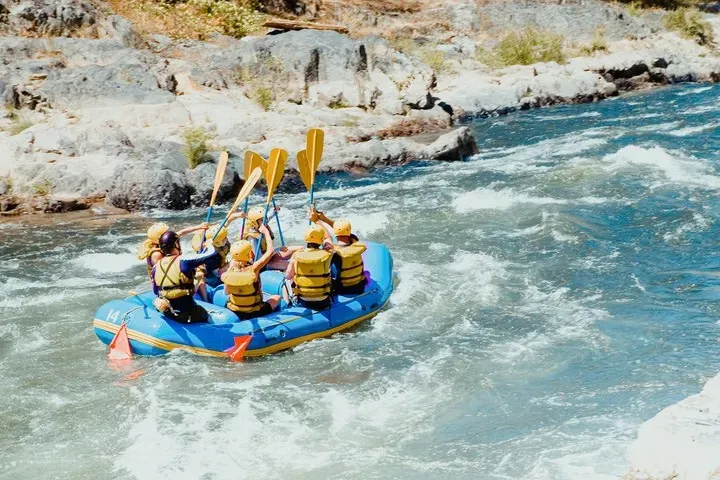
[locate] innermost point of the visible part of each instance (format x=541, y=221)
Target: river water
x=555, y=292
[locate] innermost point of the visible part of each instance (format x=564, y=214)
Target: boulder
x=201, y=182
x=137, y=187
x=328, y=69
x=43, y=18
x=452, y=146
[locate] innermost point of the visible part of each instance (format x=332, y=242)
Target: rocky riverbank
x=98, y=112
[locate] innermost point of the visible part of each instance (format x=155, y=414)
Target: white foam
x=699, y=223
x=570, y=117
x=107, y=262
x=488, y=199
x=674, y=169
x=682, y=441
x=694, y=91
x=684, y=132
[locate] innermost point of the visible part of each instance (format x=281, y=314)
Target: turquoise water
x=555, y=292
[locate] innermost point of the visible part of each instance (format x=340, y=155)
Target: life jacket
x=352, y=270
x=256, y=235
x=244, y=290
x=172, y=282
x=312, y=274
x=145, y=252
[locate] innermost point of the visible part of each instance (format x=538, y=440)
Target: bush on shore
x=195, y=19
x=689, y=23
x=196, y=145
x=525, y=47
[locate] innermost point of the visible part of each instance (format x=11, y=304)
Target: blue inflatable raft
x=151, y=333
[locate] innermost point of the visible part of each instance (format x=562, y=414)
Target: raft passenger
x=173, y=281
x=280, y=259
x=309, y=269
x=347, y=263
x=149, y=250
x=242, y=279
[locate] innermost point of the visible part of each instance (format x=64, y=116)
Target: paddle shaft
x=277, y=219
x=258, y=248
x=245, y=209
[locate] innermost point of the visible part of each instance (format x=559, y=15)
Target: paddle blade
x=250, y=183
x=120, y=345
x=241, y=343
x=275, y=170
x=304, y=168
x=219, y=175
x=314, y=149
x=252, y=161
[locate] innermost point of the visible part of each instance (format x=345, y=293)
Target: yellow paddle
x=219, y=175
x=273, y=174
x=313, y=153
x=252, y=161
x=304, y=168
x=250, y=183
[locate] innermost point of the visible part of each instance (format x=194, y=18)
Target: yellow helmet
x=241, y=251
x=256, y=214
x=342, y=228
x=196, y=239
x=221, y=238
x=156, y=231
x=315, y=234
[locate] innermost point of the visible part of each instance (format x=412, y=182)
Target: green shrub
x=19, y=125
x=689, y=23
x=525, y=48
x=402, y=44
x=337, y=104
x=435, y=59
x=8, y=181
x=196, y=145
x=263, y=96
x=598, y=44
x=43, y=188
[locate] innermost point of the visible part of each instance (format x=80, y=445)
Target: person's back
x=242, y=280
x=173, y=281
x=310, y=271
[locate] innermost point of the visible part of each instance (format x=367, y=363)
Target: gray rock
x=326, y=68
x=137, y=187
x=108, y=85
x=201, y=181
x=48, y=17
x=455, y=145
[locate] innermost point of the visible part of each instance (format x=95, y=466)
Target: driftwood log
x=298, y=25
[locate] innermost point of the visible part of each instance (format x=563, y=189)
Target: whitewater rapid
x=555, y=293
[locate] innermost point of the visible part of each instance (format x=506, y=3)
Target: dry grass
x=410, y=127
x=689, y=23
x=196, y=19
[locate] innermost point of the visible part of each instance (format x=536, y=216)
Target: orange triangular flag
x=241, y=343
x=120, y=345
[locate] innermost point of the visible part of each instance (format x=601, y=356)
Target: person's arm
x=189, y=230
x=235, y=216
x=191, y=262
x=155, y=288
x=328, y=243
x=257, y=266
x=323, y=218
x=290, y=272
